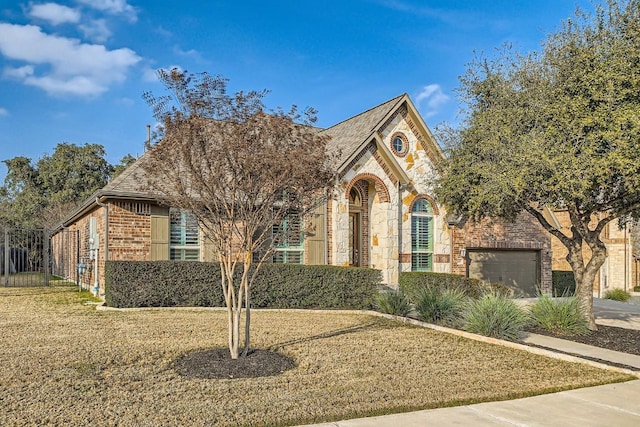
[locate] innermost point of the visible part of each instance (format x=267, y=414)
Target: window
x=399, y=144
x=184, y=241
x=422, y=236
x=289, y=240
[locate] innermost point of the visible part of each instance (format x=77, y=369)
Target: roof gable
x=349, y=136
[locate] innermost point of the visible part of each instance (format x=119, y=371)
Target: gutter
x=106, y=228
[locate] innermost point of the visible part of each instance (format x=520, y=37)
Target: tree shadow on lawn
x=217, y=363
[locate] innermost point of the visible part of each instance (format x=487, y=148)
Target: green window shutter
x=159, y=233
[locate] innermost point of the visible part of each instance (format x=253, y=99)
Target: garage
x=518, y=269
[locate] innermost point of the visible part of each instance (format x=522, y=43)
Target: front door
x=355, y=238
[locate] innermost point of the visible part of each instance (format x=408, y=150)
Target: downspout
x=106, y=243
x=626, y=261
x=400, y=189
x=326, y=230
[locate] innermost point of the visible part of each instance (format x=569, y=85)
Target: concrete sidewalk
x=608, y=405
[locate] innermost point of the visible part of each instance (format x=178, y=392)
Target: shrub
x=186, y=283
x=617, y=295
x=412, y=282
x=443, y=307
x=495, y=316
x=393, y=302
x=560, y=315
x=563, y=283
x=636, y=289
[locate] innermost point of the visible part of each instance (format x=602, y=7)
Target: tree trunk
x=585, y=275
x=247, y=307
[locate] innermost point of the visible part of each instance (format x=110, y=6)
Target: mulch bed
x=609, y=337
x=217, y=364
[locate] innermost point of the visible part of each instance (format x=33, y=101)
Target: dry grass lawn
x=64, y=363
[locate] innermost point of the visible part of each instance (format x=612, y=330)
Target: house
x=382, y=215
x=620, y=269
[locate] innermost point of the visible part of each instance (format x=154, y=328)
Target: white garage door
x=520, y=270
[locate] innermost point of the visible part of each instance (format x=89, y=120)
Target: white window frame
x=287, y=253
x=187, y=243
x=420, y=217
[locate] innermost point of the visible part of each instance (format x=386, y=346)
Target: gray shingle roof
x=346, y=137
x=349, y=135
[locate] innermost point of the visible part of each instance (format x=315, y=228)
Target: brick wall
x=129, y=231
x=525, y=233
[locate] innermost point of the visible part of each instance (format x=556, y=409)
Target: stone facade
x=620, y=268
x=388, y=157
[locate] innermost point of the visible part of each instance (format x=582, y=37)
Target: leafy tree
x=40, y=195
x=20, y=199
x=125, y=162
x=239, y=170
x=558, y=128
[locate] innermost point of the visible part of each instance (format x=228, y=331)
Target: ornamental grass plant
x=495, y=315
x=562, y=316
x=441, y=306
x=617, y=295
x=393, y=302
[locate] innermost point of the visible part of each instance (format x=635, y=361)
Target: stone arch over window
x=381, y=188
x=432, y=202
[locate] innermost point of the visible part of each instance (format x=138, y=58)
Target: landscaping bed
x=65, y=363
x=609, y=337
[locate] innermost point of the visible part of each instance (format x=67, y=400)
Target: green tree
x=125, y=162
x=41, y=195
x=557, y=128
x=240, y=171
x=20, y=199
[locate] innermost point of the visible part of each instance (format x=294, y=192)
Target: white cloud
x=4, y=112
x=96, y=30
x=54, y=13
x=67, y=66
x=432, y=97
x=20, y=72
x=149, y=75
x=113, y=7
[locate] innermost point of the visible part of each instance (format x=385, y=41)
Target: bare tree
x=240, y=171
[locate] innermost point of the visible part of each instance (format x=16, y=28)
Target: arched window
x=355, y=199
x=422, y=236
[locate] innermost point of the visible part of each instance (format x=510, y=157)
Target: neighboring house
x=382, y=215
x=620, y=269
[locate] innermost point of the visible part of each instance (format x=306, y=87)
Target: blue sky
x=75, y=70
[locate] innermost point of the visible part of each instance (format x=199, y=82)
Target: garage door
x=520, y=270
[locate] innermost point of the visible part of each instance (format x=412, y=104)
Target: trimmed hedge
x=187, y=283
x=411, y=282
x=563, y=283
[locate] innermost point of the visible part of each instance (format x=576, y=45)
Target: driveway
x=616, y=313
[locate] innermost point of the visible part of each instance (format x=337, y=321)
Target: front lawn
x=64, y=363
